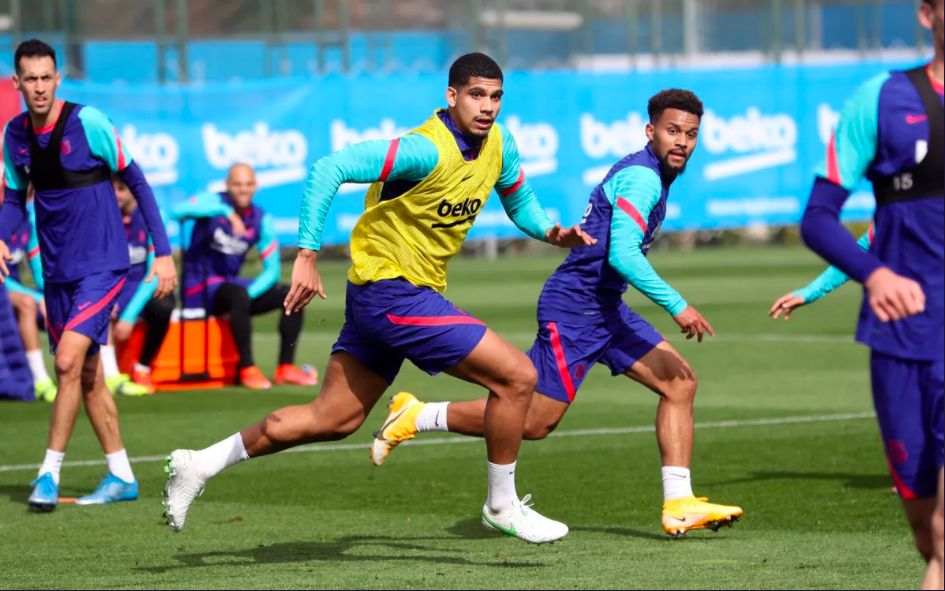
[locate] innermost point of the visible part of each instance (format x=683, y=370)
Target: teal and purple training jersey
x=624, y=213
x=78, y=221
x=890, y=132
x=215, y=255
x=832, y=277
x=401, y=164
x=24, y=247
x=136, y=292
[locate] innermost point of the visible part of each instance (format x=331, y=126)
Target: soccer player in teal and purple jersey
x=28, y=304
x=68, y=152
x=891, y=132
x=583, y=320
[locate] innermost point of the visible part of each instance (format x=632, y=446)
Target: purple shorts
x=200, y=294
x=563, y=353
x=83, y=306
x=392, y=320
x=908, y=396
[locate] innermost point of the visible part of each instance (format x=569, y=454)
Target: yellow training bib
x=414, y=235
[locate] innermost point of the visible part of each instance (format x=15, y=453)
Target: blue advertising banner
x=764, y=130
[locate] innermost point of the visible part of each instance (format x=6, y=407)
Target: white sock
x=219, y=456
x=501, y=487
x=37, y=365
x=109, y=363
x=52, y=463
x=142, y=368
x=677, y=483
x=432, y=417
x=119, y=465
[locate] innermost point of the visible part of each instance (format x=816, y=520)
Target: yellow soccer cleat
x=121, y=384
x=400, y=426
x=45, y=390
x=689, y=513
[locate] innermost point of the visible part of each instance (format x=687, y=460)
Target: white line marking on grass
x=725, y=337
x=364, y=446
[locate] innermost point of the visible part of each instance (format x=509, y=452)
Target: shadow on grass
x=625, y=531
x=17, y=493
x=344, y=549
x=859, y=481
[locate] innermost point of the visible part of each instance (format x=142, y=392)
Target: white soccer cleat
x=183, y=486
x=524, y=523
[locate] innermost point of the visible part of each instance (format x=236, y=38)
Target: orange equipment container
x=214, y=369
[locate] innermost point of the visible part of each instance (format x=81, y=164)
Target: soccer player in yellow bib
x=429, y=186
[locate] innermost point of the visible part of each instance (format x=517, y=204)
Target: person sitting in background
x=134, y=300
x=227, y=225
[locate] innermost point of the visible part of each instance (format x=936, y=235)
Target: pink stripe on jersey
x=833, y=170
x=631, y=211
x=389, y=160
x=434, y=320
x=871, y=232
x=121, y=153
x=515, y=187
x=561, y=360
x=269, y=249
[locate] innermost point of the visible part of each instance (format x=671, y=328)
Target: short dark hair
x=33, y=48
x=473, y=65
x=674, y=98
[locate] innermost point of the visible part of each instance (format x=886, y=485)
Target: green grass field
x=784, y=429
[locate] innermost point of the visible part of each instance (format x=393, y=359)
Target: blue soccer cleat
x=45, y=495
x=111, y=490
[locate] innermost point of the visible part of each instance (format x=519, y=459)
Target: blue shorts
x=392, y=320
x=908, y=396
x=563, y=353
x=200, y=294
x=83, y=306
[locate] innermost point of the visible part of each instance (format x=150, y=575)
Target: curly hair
x=473, y=65
x=674, y=98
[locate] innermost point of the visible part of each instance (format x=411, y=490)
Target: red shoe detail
x=143, y=378
x=291, y=374
x=254, y=379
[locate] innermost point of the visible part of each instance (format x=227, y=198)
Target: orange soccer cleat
x=287, y=373
x=254, y=379
x=142, y=377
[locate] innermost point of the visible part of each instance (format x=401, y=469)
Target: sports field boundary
x=364, y=446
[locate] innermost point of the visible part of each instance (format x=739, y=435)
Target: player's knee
x=68, y=364
x=524, y=381
x=25, y=305
x=538, y=430
x=682, y=389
